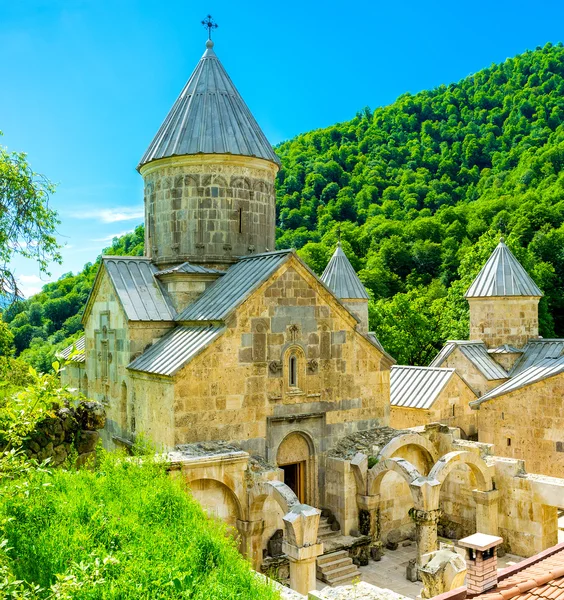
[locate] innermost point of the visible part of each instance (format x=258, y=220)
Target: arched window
x=240, y=220
x=123, y=406
x=293, y=371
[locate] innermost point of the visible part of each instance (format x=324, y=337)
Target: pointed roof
x=340, y=277
x=209, y=117
x=502, y=275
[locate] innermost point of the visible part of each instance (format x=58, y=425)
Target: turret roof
x=340, y=277
x=209, y=117
x=502, y=275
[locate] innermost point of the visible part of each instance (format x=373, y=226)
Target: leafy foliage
x=123, y=529
x=27, y=224
x=422, y=190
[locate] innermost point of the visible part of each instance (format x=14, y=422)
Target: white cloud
x=110, y=237
x=111, y=215
x=30, y=284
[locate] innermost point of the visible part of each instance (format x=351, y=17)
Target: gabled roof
x=138, y=291
x=340, y=277
x=502, y=275
x=187, y=267
x=77, y=346
x=542, y=370
x=174, y=350
x=229, y=291
x=537, y=350
x=476, y=353
x=417, y=387
x=209, y=117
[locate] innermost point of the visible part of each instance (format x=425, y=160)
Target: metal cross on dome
x=209, y=24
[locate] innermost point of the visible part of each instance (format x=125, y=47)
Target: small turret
x=341, y=278
x=503, y=302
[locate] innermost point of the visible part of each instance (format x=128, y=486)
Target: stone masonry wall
x=70, y=430
x=209, y=208
x=528, y=424
x=450, y=408
x=125, y=340
x=508, y=320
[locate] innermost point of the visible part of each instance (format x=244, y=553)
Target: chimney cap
x=480, y=541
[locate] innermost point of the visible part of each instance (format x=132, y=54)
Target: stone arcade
x=262, y=381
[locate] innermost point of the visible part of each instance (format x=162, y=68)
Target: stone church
x=214, y=335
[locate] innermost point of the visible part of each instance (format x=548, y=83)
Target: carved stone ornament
x=312, y=365
x=275, y=366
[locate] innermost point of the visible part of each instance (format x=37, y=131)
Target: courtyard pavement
x=389, y=572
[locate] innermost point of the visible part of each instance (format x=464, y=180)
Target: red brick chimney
x=481, y=561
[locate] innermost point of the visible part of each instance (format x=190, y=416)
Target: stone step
x=344, y=579
x=343, y=561
x=327, y=558
x=338, y=571
x=328, y=536
x=325, y=528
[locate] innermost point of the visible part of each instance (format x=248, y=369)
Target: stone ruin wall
x=70, y=431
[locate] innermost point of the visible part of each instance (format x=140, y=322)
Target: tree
x=27, y=223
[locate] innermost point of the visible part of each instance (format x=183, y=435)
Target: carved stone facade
x=208, y=209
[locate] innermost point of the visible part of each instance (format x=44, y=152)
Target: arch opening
x=295, y=457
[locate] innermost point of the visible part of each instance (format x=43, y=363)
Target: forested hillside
x=420, y=192
x=422, y=189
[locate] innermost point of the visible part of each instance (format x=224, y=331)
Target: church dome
x=209, y=117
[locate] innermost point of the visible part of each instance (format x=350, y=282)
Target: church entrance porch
x=295, y=478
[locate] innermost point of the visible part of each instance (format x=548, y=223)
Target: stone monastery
x=273, y=399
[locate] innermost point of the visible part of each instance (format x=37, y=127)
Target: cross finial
x=209, y=24
x=339, y=234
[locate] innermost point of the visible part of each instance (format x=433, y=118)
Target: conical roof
x=502, y=275
x=209, y=117
x=340, y=277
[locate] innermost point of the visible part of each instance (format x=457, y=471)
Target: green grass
x=125, y=530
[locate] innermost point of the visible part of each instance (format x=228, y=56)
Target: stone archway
x=296, y=457
x=484, y=500
x=412, y=447
x=218, y=500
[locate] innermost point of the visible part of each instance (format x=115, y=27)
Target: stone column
x=486, y=511
x=425, y=531
x=251, y=541
x=370, y=504
x=301, y=547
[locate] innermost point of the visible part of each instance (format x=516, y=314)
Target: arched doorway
x=294, y=457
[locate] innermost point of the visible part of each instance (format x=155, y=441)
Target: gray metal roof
x=175, y=349
x=227, y=292
x=476, y=353
x=139, y=292
x=505, y=349
x=417, y=387
x=502, y=275
x=187, y=267
x=209, y=117
x=77, y=346
x=536, y=351
x=341, y=278
x=542, y=370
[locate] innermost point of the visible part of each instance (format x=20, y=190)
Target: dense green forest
x=420, y=192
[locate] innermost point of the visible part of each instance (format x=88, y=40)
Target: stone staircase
x=325, y=531
x=337, y=568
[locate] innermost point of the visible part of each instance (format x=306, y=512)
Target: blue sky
x=85, y=84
